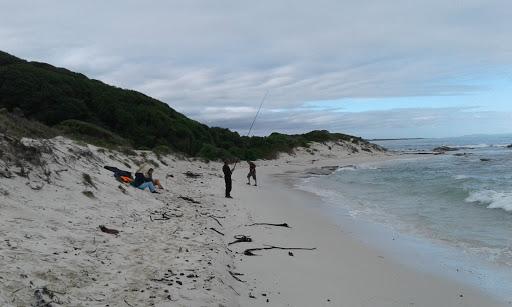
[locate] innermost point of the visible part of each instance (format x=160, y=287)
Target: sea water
x=458, y=203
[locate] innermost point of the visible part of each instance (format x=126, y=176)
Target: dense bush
x=89, y=108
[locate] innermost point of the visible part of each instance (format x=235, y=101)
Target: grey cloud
x=425, y=122
x=224, y=55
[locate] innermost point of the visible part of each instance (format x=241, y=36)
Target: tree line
x=80, y=106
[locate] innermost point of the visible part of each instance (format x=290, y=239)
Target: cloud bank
x=214, y=60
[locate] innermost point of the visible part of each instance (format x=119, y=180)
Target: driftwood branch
x=241, y=238
x=235, y=276
x=165, y=216
x=192, y=174
x=249, y=252
x=234, y=290
x=216, y=220
x=270, y=224
x=216, y=231
x=124, y=299
x=189, y=199
x=109, y=230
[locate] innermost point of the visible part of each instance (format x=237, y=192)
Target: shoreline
x=344, y=270
x=414, y=250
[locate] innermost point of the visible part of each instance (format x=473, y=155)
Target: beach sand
x=342, y=271
x=172, y=248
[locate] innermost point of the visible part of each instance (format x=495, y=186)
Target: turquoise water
x=461, y=200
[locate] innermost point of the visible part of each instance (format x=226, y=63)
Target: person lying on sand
x=141, y=183
x=148, y=175
x=252, y=173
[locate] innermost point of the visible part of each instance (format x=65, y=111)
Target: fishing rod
x=254, y=119
x=257, y=113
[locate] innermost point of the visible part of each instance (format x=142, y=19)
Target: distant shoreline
x=397, y=139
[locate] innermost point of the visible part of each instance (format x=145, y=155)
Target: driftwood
x=124, y=299
x=271, y=224
x=241, y=238
x=234, y=290
x=109, y=230
x=192, y=175
x=216, y=220
x=216, y=231
x=249, y=252
x=189, y=199
x=165, y=216
x=235, y=276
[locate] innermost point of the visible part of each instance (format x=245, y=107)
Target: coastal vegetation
x=69, y=103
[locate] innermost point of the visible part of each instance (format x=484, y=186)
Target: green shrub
x=162, y=150
x=90, y=132
x=209, y=152
x=21, y=127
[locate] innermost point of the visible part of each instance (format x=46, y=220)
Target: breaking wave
x=493, y=199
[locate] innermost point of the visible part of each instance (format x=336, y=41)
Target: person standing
x=227, y=177
x=252, y=173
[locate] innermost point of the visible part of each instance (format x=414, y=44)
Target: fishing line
x=255, y=117
x=257, y=113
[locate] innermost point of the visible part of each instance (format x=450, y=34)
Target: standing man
x=227, y=177
x=252, y=173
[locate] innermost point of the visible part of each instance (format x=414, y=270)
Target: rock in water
x=444, y=149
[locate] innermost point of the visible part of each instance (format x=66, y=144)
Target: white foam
x=460, y=177
x=502, y=145
x=493, y=199
x=472, y=146
x=346, y=168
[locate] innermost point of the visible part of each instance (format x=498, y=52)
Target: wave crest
x=491, y=198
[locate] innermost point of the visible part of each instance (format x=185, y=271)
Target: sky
x=377, y=69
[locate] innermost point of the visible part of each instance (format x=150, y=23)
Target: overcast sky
x=400, y=68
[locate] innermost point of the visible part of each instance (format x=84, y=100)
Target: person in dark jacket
x=252, y=173
x=227, y=177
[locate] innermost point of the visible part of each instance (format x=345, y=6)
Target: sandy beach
x=172, y=249
x=342, y=271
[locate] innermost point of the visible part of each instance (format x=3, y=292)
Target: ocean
x=455, y=207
